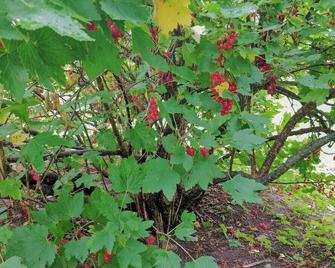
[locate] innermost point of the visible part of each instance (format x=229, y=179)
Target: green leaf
x=134, y=11
x=130, y=256
x=143, y=45
x=142, y=137
x=312, y=82
x=5, y=234
x=77, y=249
x=167, y=259
x=203, y=172
x=33, y=151
x=107, y=140
x=7, y=30
x=46, y=48
x=13, y=262
x=87, y=9
x=32, y=245
x=6, y=130
x=104, y=238
x=185, y=229
x=101, y=55
x=202, y=262
x=257, y=122
x=160, y=176
x=317, y=95
x=37, y=14
x=14, y=76
x=11, y=188
x=66, y=207
x=178, y=155
x=238, y=12
x=126, y=178
x=242, y=190
x=243, y=139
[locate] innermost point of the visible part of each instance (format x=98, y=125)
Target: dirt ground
x=215, y=209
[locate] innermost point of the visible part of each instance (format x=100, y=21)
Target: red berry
x=154, y=34
x=204, y=151
x=233, y=87
x=216, y=79
x=91, y=26
x=271, y=88
x=107, y=257
x=151, y=240
x=297, y=187
x=86, y=265
x=190, y=151
x=166, y=54
x=36, y=178
x=153, y=112
x=115, y=30
x=264, y=226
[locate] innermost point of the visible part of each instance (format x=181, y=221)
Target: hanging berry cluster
x=265, y=68
x=33, y=173
x=165, y=78
x=225, y=44
x=135, y=100
x=191, y=151
x=217, y=79
x=153, y=112
x=91, y=27
x=154, y=33
x=115, y=30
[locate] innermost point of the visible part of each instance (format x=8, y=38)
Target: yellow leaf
x=222, y=87
x=169, y=13
x=18, y=137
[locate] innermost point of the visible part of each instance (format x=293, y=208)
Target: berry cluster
x=137, y=103
x=217, y=79
x=91, y=27
x=107, y=257
x=271, y=87
x=153, y=111
x=115, y=30
x=33, y=173
x=262, y=65
x=154, y=33
x=191, y=151
x=227, y=42
x=151, y=240
x=166, y=78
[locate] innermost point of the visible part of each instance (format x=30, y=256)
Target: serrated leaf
x=202, y=262
x=66, y=207
x=130, y=256
x=160, y=176
x=5, y=234
x=242, y=190
x=243, y=139
x=238, y=12
x=31, y=244
x=126, y=178
x=167, y=259
x=13, y=262
x=169, y=13
x=203, y=172
x=11, y=188
x=77, y=249
x=134, y=11
x=37, y=14
x=142, y=137
x=14, y=76
x=317, y=95
x=86, y=9
x=101, y=55
x=7, y=129
x=185, y=229
x=312, y=82
x=107, y=139
x=103, y=239
x=7, y=30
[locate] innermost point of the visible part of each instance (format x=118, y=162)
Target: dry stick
x=279, y=143
x=256, y=263
x=112, y=121
x=304, y=152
